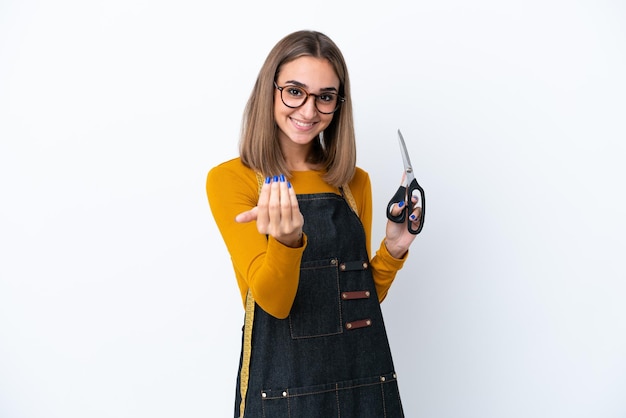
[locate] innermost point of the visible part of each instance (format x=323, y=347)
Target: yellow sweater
x=265, y=266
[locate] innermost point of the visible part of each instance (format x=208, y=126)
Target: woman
x=314, y=342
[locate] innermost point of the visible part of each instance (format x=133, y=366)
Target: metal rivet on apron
x=342, y=266
x=368, y=322
x=348, y=325
x=382, y=378
x=367, y=293
x=263, y=395
x=395, y=376
x=333, y=262
x=364, y=266
x=284, y=394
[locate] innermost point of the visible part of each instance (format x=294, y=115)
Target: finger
x=285, y=201
x=297, y=218
x=415, y=197
x=273, y=208
x=247, y=216
x=263, y=206
x=397, y=208
x=290, y=216
x=292, y=197
x=290, y=210
x=416, y=216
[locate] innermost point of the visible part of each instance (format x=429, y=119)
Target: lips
x=303, y=124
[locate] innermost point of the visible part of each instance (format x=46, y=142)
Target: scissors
x=406, y=191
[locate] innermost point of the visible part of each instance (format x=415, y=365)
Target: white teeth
x=302, y=124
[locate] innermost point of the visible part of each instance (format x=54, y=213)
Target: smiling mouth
x=302, y=124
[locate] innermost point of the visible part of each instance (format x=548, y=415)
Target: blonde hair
x=334, y=149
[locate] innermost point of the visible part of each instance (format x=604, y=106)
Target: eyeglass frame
x=340, y=99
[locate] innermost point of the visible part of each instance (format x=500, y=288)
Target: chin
x=302, y=139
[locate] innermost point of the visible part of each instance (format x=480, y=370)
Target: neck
x=298, y=158
x=300, y=165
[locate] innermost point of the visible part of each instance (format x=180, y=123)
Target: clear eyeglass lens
x=295, y=97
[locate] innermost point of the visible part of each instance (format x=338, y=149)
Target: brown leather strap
x=359, y=294
x=362, y=323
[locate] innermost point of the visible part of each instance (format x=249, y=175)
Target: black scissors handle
x=416, y=190
x=404, y=195
x=400, y=196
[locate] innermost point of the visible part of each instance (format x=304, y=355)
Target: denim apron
x=330, y=358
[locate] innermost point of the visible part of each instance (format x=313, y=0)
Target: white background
x=117, y=297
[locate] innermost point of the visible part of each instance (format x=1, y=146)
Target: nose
x=308, y=108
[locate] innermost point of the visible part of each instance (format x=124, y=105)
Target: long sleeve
x=262, y=264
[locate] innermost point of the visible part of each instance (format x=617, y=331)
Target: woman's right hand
x=277, y=213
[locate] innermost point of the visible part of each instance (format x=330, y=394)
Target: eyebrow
x=299, y=84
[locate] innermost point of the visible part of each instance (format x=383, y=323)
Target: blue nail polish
x=289, y=184
x=268, y=180
x=413, y=217
x=275, y=178
x=401, y=204
x=282, y=178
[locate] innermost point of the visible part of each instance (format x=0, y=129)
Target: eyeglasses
x=294, y=97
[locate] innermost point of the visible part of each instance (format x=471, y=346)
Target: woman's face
x=298, y=126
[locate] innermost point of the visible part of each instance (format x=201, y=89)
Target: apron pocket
x=316, y=310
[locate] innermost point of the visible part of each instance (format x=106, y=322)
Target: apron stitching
x=378, y=382
x=382, y=393
x=289, y=407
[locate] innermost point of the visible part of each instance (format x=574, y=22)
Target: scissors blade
x=408, y=168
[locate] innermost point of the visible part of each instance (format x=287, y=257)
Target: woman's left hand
x=398, y=239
